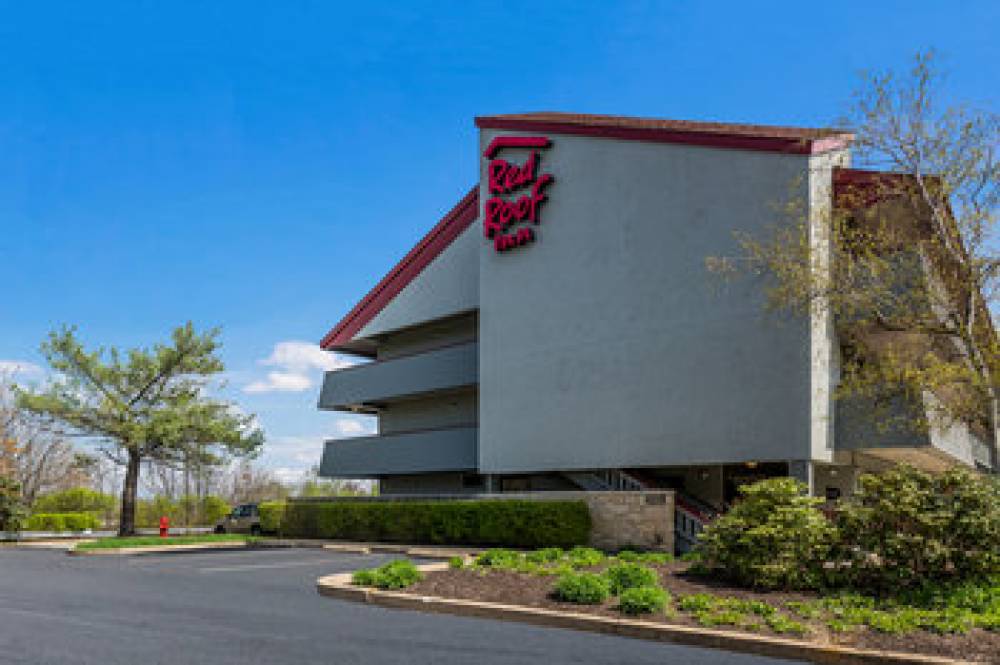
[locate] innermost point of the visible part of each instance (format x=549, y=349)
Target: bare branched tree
x=37, y=453
x=913, y=271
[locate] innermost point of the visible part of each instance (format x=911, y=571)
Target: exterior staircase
x=690, y=514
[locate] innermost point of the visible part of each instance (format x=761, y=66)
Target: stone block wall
x=643, y=520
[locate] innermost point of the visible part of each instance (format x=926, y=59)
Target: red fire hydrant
x=164, y=526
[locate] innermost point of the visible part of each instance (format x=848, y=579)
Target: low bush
x=272, y=515
x=582, y=588
x=773, y=537
x=512, y=523
x=499, y=557
x=643, y=600
x=77, y=500
x=907, y=529
x=656, y=558
x=623, y=576
x=393, y=575
x=205, y=511
x=456, y=563
x=582, y=557
x=545, y=555
x=63, y=522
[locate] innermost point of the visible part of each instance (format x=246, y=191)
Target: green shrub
x=272, y=515
x=12, y=511
x=77, y=500
x=780, y=623
x=545, y=555
x=393, y=575
x=906, y=528
x=63, y=522
x=643, y=600
x=582, y=588
x=46, y=522
x=512, y=523
x=81, y=521
x=456, y=563
x=213, y=509
x=774, y=537
x=499, y=557
x=364, y=577
x=623, y=576
x=656, y=558
x=581, y=557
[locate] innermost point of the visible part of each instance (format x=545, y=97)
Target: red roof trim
x=853, y=188
x=404, y=272
x=713, y=139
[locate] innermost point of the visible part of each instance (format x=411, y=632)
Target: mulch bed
x=511, y=588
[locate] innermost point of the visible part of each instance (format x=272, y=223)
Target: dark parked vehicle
x=245, y=518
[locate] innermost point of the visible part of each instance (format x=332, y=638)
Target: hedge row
x=272, y=513
x=63, y=522
x=509, y=523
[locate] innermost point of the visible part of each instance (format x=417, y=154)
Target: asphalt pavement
x=261, y=606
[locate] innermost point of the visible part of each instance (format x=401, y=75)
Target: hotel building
x=558, y=329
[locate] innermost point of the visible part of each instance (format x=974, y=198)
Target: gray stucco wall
x=443, y=288
x=428, y=451
x=430, y=335
x=447, y=410
x=607, y=344
x=445, y=368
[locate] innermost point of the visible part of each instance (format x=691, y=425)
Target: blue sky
x=261, y=167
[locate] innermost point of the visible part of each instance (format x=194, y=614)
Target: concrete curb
x=415, y=551
x=339, y=586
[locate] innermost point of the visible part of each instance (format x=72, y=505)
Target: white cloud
x=347, y=427
x=281, y=382
x=22, y=367
x=297, y=364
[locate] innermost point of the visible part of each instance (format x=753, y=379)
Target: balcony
x=447, y=449
x=363, y=387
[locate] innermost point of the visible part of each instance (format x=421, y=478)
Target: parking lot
x=249, y=607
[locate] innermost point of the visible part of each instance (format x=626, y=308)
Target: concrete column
x=803, y=471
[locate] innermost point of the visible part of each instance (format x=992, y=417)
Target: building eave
x=457, y=220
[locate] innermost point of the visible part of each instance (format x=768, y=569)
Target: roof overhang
x=341, y=336
x=789, y=140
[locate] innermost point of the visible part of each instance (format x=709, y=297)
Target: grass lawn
x=156, y=541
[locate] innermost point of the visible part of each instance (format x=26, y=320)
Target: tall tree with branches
x=912, y=275
x=143, y=404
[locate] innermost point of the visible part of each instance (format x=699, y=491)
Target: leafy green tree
x=12, y=512
x=143, y=404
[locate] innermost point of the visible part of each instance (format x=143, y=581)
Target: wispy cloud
x=20, y=367
x=297, y=364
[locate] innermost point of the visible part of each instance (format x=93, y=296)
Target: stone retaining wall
x=643, y=519
x=620, y=520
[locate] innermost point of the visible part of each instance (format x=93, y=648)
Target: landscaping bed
x=532, y=580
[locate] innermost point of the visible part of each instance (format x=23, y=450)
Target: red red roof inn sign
x=508, y=220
